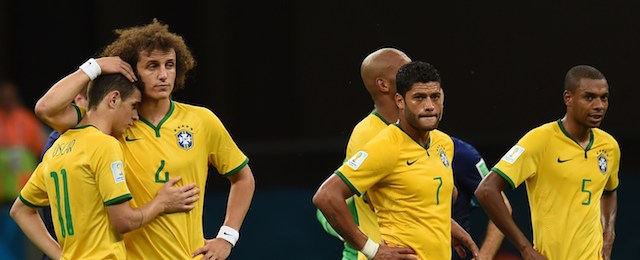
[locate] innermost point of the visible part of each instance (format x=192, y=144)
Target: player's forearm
x=462, y=236
x=240, y=197
x=334, y=208
x=31, y=224
x=492, y=241
x=493, y=238
x=53, y=105
x=609, y=208
x=125, y=218
x=325, y=225
x=493, y=204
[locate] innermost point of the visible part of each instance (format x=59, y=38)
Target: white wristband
x=229, y=234
x=91, y=68
x=370, y=249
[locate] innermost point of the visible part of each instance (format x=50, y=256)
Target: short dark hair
x=572, y=79
x=415, y=72
x=103, y=84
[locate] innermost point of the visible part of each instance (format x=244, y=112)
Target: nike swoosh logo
x=410, y=163
x=131, y=140
x=561, y=161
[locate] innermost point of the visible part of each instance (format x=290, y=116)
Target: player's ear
x=383, y=85
x=399, y=101
x=114, y=98
x=567, y=97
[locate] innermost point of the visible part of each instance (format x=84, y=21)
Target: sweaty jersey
x=410, y=187
x=564, y=185
x=79, y=176
x=184, y=143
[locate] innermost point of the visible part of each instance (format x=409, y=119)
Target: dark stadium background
x=284, y=78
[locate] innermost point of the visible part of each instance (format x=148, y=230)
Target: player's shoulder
x=90, y=136
x=195, y=112
x=369, y=126
x=604, y=136
x=440, y=136
x=181, y=107
x=544, y=131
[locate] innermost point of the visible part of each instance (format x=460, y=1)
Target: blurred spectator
x=22, y=138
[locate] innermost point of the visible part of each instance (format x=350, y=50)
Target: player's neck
x=387, y=109
x=154, y=110
x=99, y=121
x=577, y=131
x=418, y=135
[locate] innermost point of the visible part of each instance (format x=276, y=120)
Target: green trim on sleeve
x=346, y=181
x=237, y=169
x=26, y=202
x=513, y=186
x=118, y=199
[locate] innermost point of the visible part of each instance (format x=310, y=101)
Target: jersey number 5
x=584, y=183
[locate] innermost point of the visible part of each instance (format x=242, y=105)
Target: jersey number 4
x=68, y=229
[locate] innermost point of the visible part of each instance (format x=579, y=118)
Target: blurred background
x=284, y=78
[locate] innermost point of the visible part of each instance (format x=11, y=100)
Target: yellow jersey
x=365, y=218
x=564, y=185
x=410, y=187
x=184, y=143
x=79, y=176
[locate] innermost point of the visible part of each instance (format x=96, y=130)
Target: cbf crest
x=603, y=161
x=443, y=156
x=184, y=137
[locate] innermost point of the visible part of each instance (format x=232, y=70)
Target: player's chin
x=428, y=123
x=594, y=122
x=119, y=132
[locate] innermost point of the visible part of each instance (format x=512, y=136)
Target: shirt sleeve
x=34, y=192
x=613, y=182
x=369, y=165
x=224, y=154
x=521, y=161
x=110, y=174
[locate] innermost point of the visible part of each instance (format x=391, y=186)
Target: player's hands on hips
x=386, y=252
x=532, y=254
x=112, y=65
x=178, y=198
x=460, y=239
x=214, y=249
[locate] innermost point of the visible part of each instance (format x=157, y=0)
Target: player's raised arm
x=54, y=107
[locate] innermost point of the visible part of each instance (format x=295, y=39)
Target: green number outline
x=584, y=183
x=438, y=190
x=68, y=229
x=166, y=174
